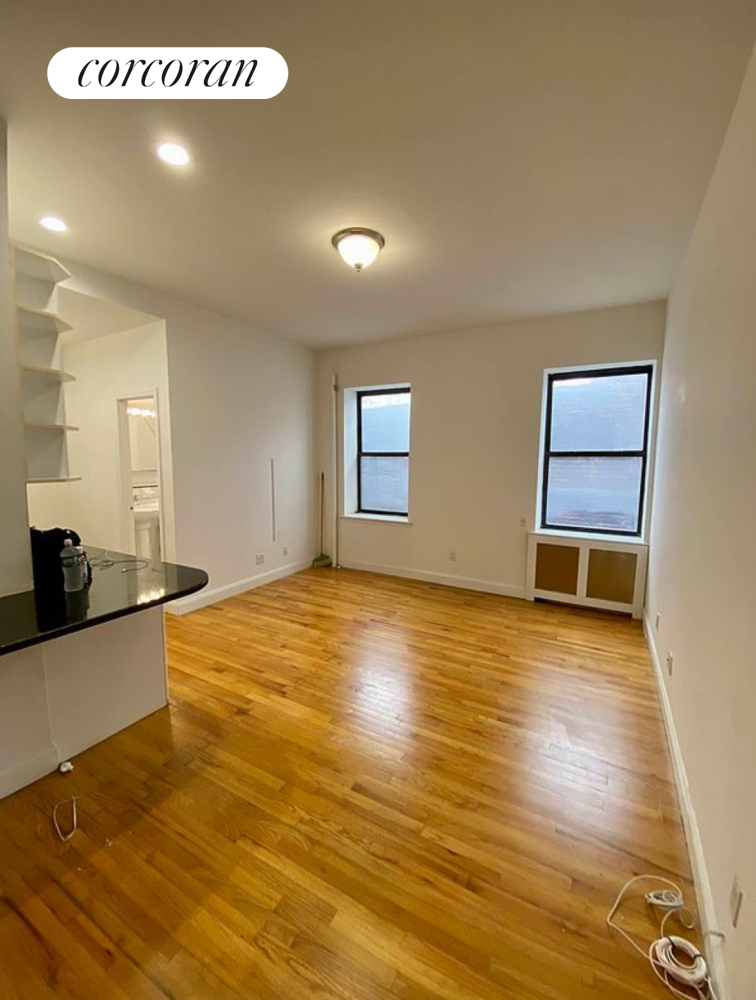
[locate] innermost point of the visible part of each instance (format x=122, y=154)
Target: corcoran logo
x=178, y=73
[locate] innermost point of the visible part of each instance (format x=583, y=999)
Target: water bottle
x=73, y=573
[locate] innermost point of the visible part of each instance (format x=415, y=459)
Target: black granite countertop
x=121, y=585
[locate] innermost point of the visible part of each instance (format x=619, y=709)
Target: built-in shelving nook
x=43, y=381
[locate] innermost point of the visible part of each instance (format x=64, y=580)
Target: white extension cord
x=675, y=960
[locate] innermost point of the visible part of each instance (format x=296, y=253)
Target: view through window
x=596, y=449
x=383, y=430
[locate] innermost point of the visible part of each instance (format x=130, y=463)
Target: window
x=383, y=428
x=596, y=449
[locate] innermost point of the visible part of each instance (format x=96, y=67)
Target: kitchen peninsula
x=92, y=662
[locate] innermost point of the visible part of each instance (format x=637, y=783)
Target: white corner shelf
x=43, y=382
x=51, y=373
x=42, y=320
x=42, y=267
x=40, y=426
x=54, y=479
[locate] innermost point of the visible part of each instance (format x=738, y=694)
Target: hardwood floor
x=365, y=789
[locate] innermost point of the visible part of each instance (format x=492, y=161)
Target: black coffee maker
x=46, y=547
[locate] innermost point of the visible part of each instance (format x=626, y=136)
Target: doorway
x=138, y=421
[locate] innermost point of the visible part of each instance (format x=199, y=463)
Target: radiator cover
x=587, y=570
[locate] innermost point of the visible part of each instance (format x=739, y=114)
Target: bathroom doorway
x=138, y=420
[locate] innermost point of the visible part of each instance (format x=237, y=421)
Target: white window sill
x=388, y=518
x=591, y=536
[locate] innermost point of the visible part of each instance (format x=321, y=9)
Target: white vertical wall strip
x=273, y=498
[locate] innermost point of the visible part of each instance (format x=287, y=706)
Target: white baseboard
x=445, y=579
x=29, y=771
x=702, y=882
x=215, y=594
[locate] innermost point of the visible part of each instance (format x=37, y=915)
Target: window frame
x=389, y=391
x=564, y=375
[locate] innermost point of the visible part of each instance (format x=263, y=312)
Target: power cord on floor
x=677, y=962
x=65, y=837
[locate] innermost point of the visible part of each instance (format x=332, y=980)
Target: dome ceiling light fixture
x=171, y=152
x=53, y=223
x=357, y=246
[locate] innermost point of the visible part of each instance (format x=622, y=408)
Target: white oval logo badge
x=109, y=74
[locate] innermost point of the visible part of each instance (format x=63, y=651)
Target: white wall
x=703, y=552
x=476, y=415
x=15, y=561
x=26, y=750
x=238, y=398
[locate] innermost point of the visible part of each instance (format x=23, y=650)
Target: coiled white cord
x=675, y=960
x=666, y=899
x=74, y=819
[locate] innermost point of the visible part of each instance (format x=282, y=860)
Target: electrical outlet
x=259, y=559
x=670, y=662
x=736, y=901
x=658, y=620
x=452, y=556
x=286, y=550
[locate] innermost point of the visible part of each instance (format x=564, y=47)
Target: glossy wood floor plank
x=364, y=789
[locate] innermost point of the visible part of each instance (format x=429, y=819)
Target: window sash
x=361, y=453
x=642, y=453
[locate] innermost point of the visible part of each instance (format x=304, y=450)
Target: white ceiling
x=520, y=156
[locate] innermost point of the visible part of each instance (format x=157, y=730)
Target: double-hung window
x=595, y=452
x=383, y=450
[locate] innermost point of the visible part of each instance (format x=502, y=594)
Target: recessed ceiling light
x=54, y=225
x=171, y=152
x=358, y=247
